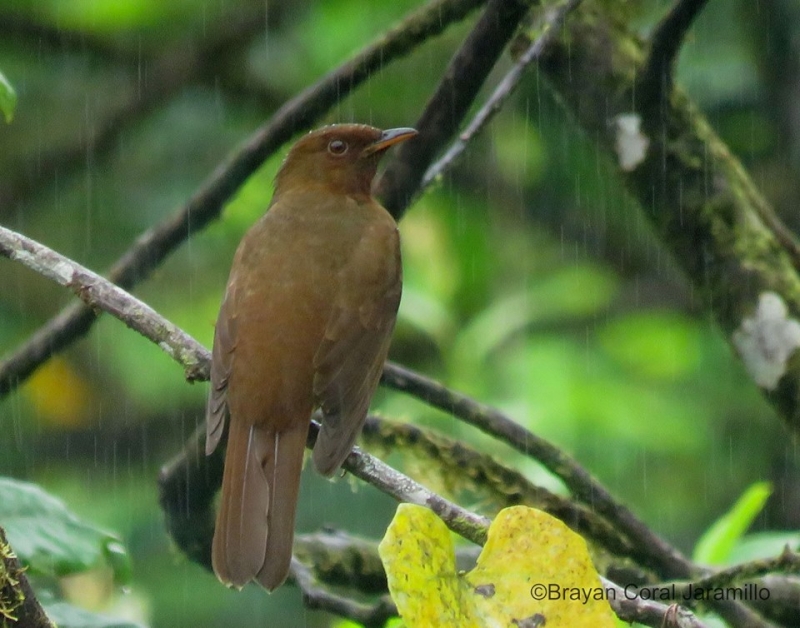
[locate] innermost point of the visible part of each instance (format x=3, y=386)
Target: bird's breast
x=288, y=272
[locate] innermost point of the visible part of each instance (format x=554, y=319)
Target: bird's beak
x=388, y=138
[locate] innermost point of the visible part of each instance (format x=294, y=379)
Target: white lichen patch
x=64, y=270
x=24, y=257
x=767, y=340
x=631, y=144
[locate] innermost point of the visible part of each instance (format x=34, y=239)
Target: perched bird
x=306, y=323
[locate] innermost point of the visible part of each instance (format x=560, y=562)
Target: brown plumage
x=306, y=323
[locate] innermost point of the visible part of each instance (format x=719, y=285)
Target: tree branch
x=450, y=102
x=461, y=467
x=655, y=553
x=153, y=246
x=656, y=78
x=99, y=293
x=505, y=88
x=19, y=605
x=316, y=597
x=696, y=194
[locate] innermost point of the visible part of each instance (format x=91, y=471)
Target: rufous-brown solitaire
x=306, y=323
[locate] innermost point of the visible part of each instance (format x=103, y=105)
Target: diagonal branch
x=453, y=97
x=505, y=88
x=481, y=474
x=100, y=294
x=655, y=553
x=656, y=78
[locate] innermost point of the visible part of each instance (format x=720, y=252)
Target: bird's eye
x=337, y=147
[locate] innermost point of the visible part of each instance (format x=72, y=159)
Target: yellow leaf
x=533, y=571
x=60, y=395
x=420, y=563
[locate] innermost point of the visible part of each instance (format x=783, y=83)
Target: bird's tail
x=255, y=524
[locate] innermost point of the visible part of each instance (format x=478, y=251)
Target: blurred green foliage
x=716, y=545
x=8, y=99
x=52, y=541
x=531, y=281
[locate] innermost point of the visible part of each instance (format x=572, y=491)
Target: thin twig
x=153, y=246
x=398, y=485
x=451, y=101
x=786, y=562
x=655, y=81
x=505, y=88
x=631, y=608
x=316, y=597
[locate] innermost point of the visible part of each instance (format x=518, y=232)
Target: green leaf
x=50, y=539
x=8, y=99
x=764, y=545
x=716, y=544
x=68, y=616
x=661, y=345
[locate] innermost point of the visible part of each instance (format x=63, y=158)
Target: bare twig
x=205, y=205
x=395, y=484
x=99, y=293
x=655, y=81
x=501, y=94
x=318, y=598
x=450, y=102
x=631, y=608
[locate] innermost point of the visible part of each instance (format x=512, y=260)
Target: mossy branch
x=695, y=192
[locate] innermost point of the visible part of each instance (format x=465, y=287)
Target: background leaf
x=715, y=546
x=49, y=539
x=68, y=616
x=8, y=98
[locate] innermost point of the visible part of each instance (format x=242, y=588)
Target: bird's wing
x=221, y=363
x=350, y=358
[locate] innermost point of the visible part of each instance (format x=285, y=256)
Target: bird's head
x=340, y=157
